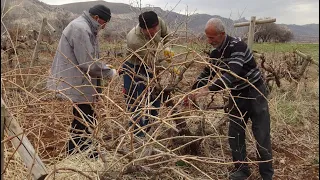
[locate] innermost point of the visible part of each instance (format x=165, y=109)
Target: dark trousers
x=79, y=130
x=257, y=110
x=133, y=89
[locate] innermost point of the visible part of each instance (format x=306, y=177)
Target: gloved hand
x=112, y=69
x=176, y=70
x=168, y=54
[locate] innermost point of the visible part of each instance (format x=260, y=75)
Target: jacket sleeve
x=206, y=75
x=235, y=64
x=140, y=50
x=85, y=55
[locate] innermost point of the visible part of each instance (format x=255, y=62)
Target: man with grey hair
x=240, y=74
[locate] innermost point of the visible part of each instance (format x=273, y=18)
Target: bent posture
x=243, y=77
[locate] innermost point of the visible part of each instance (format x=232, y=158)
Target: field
x=294, y=109
x=310, y=49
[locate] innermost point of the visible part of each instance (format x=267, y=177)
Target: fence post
x=44, y=24
x=251, y=32
x=36, y=48
x=23, y=146
x=306, y=60
x=251, y=25
x=305, y=56
x=2, y=136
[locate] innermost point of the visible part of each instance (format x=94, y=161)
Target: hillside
x=128, y=12
x=308, y=32
x=28, y=14
x=124, y=17
x=116, y=8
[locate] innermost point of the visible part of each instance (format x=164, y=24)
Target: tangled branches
x=289, y=66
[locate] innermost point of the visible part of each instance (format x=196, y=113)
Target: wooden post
x=263, y=21
x=251, y=25
x=187, y=25
x=23, y=146
x=2, y=136
x=305, y=57
x=306, y=60
x=36, y=48
x=251, y=32
x=304, y=66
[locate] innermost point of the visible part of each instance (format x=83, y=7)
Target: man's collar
x=223, y=44
x=94, y=25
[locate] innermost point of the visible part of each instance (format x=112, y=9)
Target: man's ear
x=96, y=17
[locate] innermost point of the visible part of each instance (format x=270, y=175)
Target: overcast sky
x=285, y=11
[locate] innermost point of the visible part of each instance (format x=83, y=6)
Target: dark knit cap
x=102, y=11
x=148, y=20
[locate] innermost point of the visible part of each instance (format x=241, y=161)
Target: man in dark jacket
x=238, y=71
x=76, y=70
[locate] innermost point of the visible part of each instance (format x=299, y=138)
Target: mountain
x=308, y=32
x=125, y=16
x=28, y=14
x=79, y=7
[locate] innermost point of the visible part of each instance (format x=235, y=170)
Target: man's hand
x=187, y=99
x=202, y=92
x=174, y=70
x=193, y=97
x=168, y=53
x=120, y=71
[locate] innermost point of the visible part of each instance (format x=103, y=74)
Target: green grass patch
x=292, y=108
x=289, y=112
x=309, y=49
x=181, y=163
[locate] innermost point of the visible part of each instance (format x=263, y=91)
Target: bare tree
x=273, y=32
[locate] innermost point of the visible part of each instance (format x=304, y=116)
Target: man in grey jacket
x=76, y=71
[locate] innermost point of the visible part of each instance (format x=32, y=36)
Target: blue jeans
x=133, y=88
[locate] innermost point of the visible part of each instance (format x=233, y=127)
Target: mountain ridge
x=125, y=16
x=309, y=32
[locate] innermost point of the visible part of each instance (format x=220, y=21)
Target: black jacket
x=234, y=56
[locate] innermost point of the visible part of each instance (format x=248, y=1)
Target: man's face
x=214, y=38
x=102, y=22
x=151, y=32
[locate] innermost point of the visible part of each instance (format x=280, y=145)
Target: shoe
x=238, y=175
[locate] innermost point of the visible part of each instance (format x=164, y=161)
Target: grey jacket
x=75, y=70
